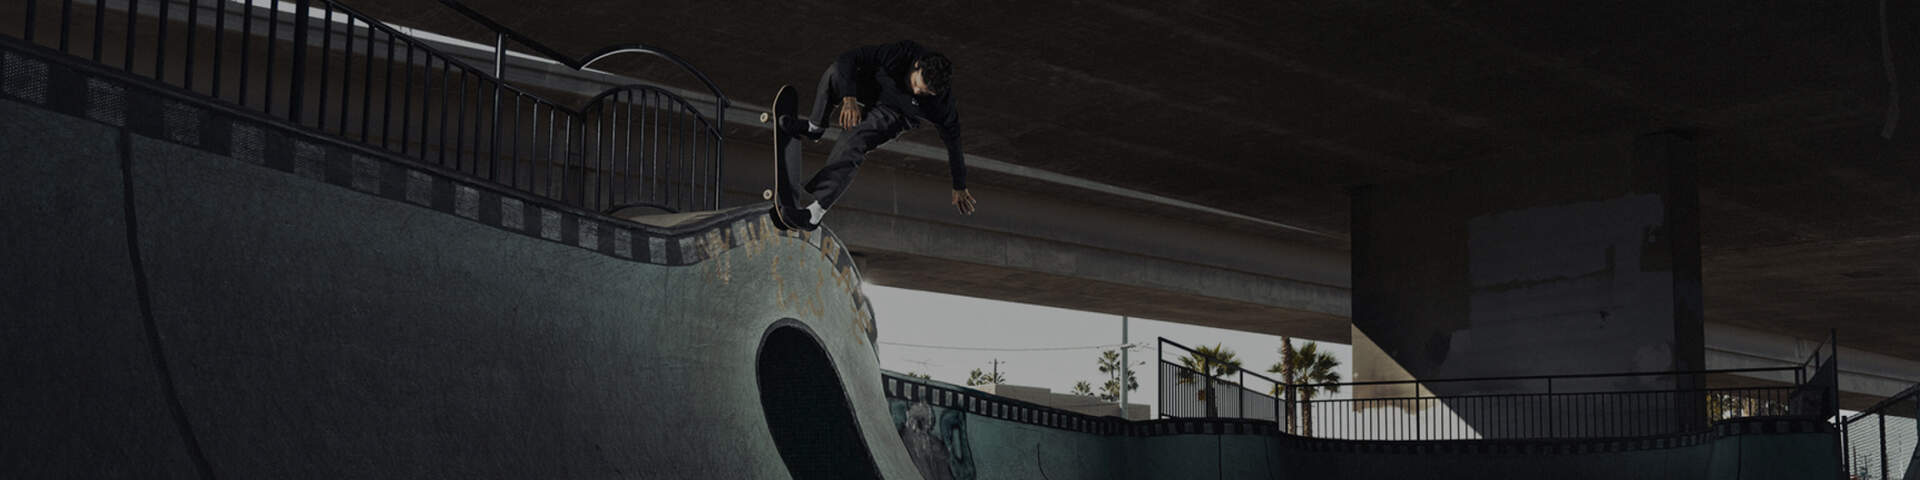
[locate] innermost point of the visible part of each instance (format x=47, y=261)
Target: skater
x=874, y=93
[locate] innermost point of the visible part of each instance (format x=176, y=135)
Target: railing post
x=1882, y=417
x=1159, y=371
x=499, y=77
x=1552, y=416
x=1126, y=369
x=1846, y=450
x=31, y=14
x=297, y=96
x=719, y=150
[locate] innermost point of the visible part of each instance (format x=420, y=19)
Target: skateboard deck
x=786, y=159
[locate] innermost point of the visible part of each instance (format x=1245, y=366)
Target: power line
x=991, y=349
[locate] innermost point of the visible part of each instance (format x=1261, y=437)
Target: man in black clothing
x=881, y=91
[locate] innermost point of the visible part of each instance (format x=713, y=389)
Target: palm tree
x=1083, y=389
x=1316, y=372
x=1214, y=362
x=977, y=378
x=1286, y=377
x=1110, y=365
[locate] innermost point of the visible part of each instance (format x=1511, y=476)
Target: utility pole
x=995, y=379
x=1126, y=369
x=925, y=366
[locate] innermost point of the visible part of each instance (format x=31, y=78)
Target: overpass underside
x=1057, y=240
x=263, y=297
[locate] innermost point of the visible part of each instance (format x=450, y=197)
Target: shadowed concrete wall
x=1580, y=263
x=176, y=310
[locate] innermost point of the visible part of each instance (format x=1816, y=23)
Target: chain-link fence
x=1880, y=441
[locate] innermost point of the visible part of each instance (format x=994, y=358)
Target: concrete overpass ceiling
x=1811, y=219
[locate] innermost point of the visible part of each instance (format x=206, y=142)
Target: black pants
x=878, y=125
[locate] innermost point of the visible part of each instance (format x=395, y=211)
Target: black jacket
x=878, y=73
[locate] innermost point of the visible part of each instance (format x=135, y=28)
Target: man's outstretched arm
x=956, y=162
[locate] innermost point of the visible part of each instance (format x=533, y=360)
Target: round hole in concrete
x=807, y=410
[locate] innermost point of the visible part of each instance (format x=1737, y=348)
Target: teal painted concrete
x=1773, y=457
x=1005, y=449
x=71, y=334
x=315, y=331
x=1676, y=463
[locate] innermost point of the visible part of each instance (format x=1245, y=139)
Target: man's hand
x=964, y=201
x=849, y=112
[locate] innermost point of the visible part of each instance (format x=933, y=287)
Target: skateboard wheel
x=764, y=117
x=766, y=194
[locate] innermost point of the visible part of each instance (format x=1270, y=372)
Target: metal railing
x=322, y=65
x=614, y=122
x=1607, y=405
x=1567, y=406
x=1881, y=440
x=1185, y=389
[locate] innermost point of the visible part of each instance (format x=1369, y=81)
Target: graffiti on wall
x=936, y=438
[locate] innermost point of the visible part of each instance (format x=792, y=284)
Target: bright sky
x=925, y=318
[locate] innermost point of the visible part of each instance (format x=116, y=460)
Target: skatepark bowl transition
x=206, y=288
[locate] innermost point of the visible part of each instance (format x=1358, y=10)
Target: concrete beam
x=1043, y=249
x=906, y=237
x=1058, y=245
x=742, y=122
x=1224, y=270
x=1865, y=377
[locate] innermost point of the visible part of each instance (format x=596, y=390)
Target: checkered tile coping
x=993, y=406
x=74, y=86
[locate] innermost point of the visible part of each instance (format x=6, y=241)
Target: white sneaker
x=815, y=213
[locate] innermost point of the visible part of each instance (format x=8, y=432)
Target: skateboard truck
x=768, y=193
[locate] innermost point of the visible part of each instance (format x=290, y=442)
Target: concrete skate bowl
x=200, y=292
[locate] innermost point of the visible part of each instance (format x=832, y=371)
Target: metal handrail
x=1513, y=377
x=502, y=33
x=382, y=27
x=588, y=61
x=1559, y=377
x=1552, y=413
x=1243, y=370
x=1555, y=394
x=598, y=101
x=1885, y=403
x=328, y=67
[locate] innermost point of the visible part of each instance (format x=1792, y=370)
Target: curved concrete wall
x=202, y=293
x=956, y=433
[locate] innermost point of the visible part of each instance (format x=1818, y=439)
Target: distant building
x=1065, y=401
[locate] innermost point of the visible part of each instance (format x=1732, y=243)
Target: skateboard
x=786, y=160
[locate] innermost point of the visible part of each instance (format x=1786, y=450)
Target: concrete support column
x=1581, y=261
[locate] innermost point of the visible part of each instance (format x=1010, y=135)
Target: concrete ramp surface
x=219, y=296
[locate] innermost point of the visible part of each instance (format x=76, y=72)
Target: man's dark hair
x=936, y=70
